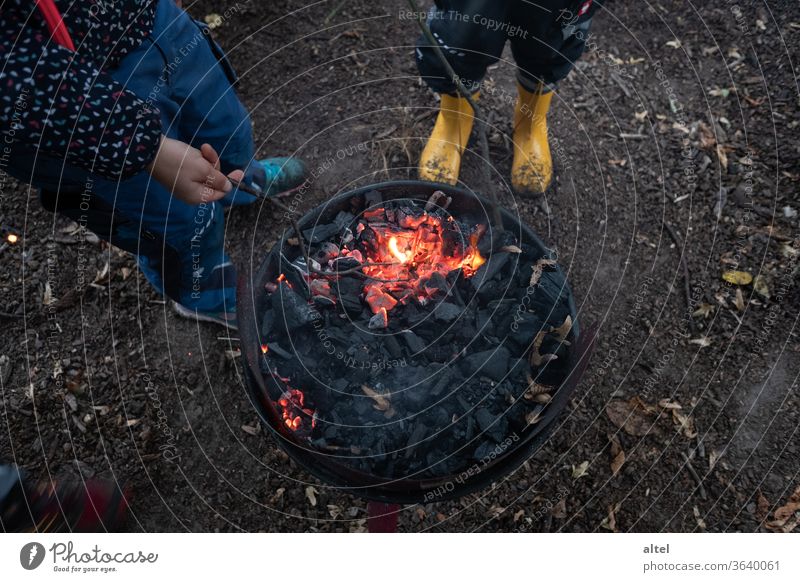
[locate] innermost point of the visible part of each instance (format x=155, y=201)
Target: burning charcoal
x=380, y=320
x=377, y=300
x=413, y=342
x=326, y=252
x=447, y=312
x=435, y=283
x=495, y=427
x=291, y=311
x=322, y=232
x=493, y=363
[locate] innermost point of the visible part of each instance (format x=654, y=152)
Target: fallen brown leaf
x=617, y=455
x=538, y=269
x=630, y=417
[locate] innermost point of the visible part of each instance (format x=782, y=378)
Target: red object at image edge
x=55, y=23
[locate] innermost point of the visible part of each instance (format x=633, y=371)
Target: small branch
x=686, y=281
x=695, y=476
x=497, y=219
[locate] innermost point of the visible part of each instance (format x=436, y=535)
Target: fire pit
x=406, y=351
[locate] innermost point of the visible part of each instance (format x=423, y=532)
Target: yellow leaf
x=737, y=277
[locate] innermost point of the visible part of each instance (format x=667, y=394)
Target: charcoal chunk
x=524, y=327
x=447, y=312
x=322, y=232
x=413, y=341
x=495, y=427
x=291, y=311
x=492, y=363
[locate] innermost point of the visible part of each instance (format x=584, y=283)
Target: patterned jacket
x=65, y=104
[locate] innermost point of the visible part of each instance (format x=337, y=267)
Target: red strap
x=55, y=23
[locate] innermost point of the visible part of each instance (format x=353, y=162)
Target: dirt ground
x=679, y=116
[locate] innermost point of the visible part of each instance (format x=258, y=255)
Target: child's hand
x=191, y=175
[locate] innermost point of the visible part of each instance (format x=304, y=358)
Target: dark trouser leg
x=553, y=38
x=471, y=33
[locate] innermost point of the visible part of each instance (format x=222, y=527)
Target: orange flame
x=415, y=251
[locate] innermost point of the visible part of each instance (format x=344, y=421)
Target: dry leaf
x=102, y=274
x=762, y=506
x=562, y=331
x=311, y=495
x=48, y=294
x=251, y=430
x=787, y=517
x=738, y=301
x=703, y=342
x=334, y=511
x=685, y=423
x=630, y=417
x=668, y=404
x=713, y=457
x=703, y=310
x=538, y=269
x=535, y=357
x=610, y=521
x=511, y=249
x=580, y=470
x=700, y=523
x=535, y=389
x=723, y=157
x=760, y=286
x=278, y=494
x=533, y=417
x=381, y=401
x=737, y=277
x=126, y=272
x=133, y=422
x=560, y=509
x=617, y=456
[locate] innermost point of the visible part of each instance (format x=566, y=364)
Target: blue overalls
x=179, y=247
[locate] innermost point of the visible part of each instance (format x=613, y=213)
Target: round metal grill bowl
x=252, y=303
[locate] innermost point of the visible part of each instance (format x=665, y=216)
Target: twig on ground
x=686, y=281
x=695, y=476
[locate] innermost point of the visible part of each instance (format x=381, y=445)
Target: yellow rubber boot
x=532, y=170
x=441, y=159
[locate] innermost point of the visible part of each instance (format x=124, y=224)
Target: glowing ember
x=264, y=348
x=412, y=254
x=12, y=239
x=293, y=412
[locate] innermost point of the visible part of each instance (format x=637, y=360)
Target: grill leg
x=382, y=517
